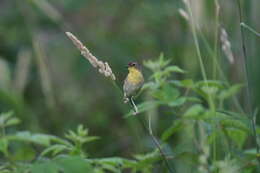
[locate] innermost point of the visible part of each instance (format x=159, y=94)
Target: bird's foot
x=126, y=100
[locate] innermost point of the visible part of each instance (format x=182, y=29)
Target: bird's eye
x=134, y=64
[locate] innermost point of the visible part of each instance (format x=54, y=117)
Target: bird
x=133, y=83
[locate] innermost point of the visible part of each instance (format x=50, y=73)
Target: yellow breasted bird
x=133, y=83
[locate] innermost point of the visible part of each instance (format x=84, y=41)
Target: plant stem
x=246, y=68
x=250, y=29
x=215, y=62
x=211, y=51
x=195, y=37
x=156, y=142
x=202, y=66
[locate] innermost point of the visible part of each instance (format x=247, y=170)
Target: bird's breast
x=135, y=77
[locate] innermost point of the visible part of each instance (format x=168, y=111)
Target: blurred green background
x=51, y=88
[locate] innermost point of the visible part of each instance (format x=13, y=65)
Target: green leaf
x=175, y=127
x=179, y=101
x=238, y=136
x=150, y=85
x=64, y=164
x=234, y=123
x=230, y=91
x=187, y=83
x=81, y=136
x=110, y=168
x=4, y=145
x=26, y=136
x=167, y=93
x=71, y=164
x=90, y=139
x=194, y=111
x=60, y=141
x=114, y=161
x=55, y=149
x=4, y=117
x=157, y=64
x=146, y=161
x=164, y=73
x=209, y=90
x=173, y=68
x=24, y=153
x=12, y=121
x=194, y=99
x=81, y=131
x=237, y=130
x=210, y=87
x=45, y=167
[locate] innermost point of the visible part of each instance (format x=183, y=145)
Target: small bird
x=133, y=83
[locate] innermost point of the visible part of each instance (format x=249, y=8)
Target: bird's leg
x=133, y=104
x=126, y=99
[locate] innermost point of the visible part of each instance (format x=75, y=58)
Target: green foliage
x=175, y=127
x=6, y=120
x=203, y=106
x=65, y=164
x=64, y=155
x=197, y=112
x=200, y=110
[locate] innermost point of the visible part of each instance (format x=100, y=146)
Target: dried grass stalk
x=22, y=70
x=44, y=71
x=226, y=46
x=103, y=67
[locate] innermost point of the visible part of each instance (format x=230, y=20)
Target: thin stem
x=150, y=124
x=134, y=106
x=157, y=144
x=249, y=95
x=211, y=51
x=195, y=37
x=5, y=151
x=250, y=29
x=202, y=67
x=215, y=62
x=150, y=132
x=216, y=41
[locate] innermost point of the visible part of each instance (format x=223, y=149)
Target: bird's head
x=133, y=66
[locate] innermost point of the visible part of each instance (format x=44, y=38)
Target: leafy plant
x=62, y=155
x=215, y=136
x=203, y=106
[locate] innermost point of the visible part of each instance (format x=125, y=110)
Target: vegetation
x=60, y=115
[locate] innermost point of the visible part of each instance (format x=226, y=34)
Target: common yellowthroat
x=133, y=83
